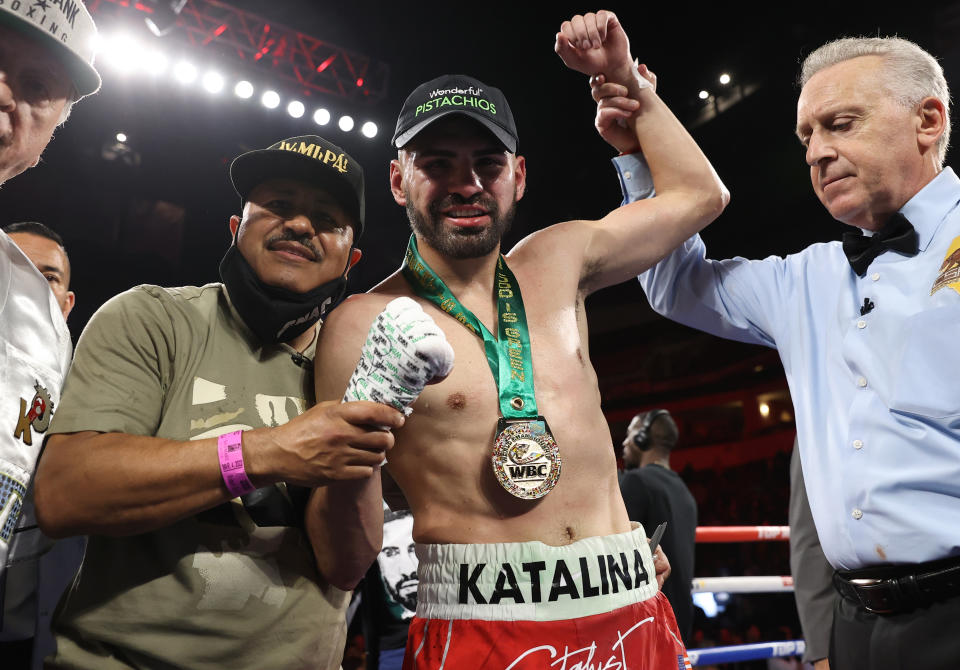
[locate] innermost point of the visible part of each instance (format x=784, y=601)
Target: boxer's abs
x=557, y=520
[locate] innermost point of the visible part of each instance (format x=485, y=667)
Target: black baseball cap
x=456, y=94
x=308, y=158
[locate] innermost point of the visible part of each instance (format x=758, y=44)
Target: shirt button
x=875, y=276
x=862, y=382
x=857, y=514
x=861, y=324
x=629, y=175
x=858, y=444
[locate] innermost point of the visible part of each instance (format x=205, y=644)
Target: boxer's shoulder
x=392, y=287
x=357, y=312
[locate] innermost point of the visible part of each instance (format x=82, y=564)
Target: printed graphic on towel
x=398, y=564
x=35, y=416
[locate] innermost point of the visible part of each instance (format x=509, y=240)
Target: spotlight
x=295, y=109
x=122, y=52
x=321, y=117
x=185, y=72
x=724, y=79
x=121, y=137
x=164, y=16
x=764, y=409
x=270, y=99
x=369, y=129
x=243, y=89
x=213, y=82
x=155, y=62
x=345, y=123
x=704, y=95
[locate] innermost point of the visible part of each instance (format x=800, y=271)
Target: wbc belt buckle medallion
x=526, y=458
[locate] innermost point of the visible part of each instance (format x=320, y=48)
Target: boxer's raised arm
x=689, y=193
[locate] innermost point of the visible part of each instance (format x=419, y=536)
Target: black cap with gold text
x=308, y=158
x=456, y=94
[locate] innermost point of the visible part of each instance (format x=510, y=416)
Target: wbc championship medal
x=526, y=459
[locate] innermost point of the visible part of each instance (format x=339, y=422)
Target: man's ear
x=396, y=183
x=71, y=301
x=932, y=123
x=521, y=172
x=234, y=225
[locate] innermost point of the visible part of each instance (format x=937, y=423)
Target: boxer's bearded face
x=459, y=185
x=461, y=241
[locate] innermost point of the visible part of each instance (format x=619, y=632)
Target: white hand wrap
x=405, y=349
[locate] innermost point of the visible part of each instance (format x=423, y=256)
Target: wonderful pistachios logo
x=456, y=97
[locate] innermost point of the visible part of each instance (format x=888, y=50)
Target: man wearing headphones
x=653, y=493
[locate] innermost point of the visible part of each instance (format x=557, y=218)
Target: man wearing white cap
x=46, y=64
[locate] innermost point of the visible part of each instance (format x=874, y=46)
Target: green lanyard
x=509, y=355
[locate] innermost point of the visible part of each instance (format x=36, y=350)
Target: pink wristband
x=230, y=450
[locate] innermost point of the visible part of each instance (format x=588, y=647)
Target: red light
x=264, y=51
x=143, y=8
x=219, y=31
x=359, y=82
x=325, y=64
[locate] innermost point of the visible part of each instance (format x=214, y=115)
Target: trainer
x=221, y=512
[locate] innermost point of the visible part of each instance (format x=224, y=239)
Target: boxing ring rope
x=742, y=533
x=745, y=652
x=763, y=584
x=743, y=584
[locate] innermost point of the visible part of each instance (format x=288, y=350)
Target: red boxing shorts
x=590, y=605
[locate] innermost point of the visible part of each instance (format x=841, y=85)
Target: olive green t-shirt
x=235, y=586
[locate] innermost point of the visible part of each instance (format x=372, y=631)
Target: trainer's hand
x=595, y=43
x=661, y=565
x=331, y=441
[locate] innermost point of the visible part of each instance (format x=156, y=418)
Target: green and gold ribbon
x=507, y=355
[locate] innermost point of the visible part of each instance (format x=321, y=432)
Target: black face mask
x=275, y=314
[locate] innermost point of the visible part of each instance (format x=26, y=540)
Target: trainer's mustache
x=290, y=236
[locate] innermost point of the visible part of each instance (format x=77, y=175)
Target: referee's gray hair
x=915, y=74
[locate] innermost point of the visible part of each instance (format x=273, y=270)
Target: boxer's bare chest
x=443, y=454
x=562, y=374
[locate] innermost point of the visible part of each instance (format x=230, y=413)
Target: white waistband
x=533, y=581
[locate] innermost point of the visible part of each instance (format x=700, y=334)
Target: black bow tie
x=897, y=234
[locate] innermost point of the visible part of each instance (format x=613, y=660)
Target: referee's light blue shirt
x=876, y=396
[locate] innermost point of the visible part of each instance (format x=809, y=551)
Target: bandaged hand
x=405, y=350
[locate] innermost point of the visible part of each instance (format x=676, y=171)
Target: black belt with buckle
x=895, y=589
